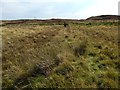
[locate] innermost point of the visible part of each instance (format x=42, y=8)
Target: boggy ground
x=83, y=55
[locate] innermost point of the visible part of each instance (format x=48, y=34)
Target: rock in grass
x=44, y=37
x=45, y=67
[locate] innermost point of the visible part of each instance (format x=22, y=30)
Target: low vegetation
x=85, y=55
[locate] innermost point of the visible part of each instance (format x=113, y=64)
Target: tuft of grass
x=81, y=49
x=64, y=69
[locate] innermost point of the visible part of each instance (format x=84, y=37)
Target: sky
x=64, y=9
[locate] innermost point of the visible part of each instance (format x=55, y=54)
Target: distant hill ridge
x=104, y=17
x=93, y=18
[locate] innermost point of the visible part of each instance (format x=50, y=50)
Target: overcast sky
x=46, y=9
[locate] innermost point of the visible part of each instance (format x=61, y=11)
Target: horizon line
x=35, y=18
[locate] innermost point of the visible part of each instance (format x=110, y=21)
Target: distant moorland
x=47, y=54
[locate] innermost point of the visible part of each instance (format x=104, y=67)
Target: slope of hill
x=37, y=54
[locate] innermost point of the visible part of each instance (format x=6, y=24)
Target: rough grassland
x=52, y=56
